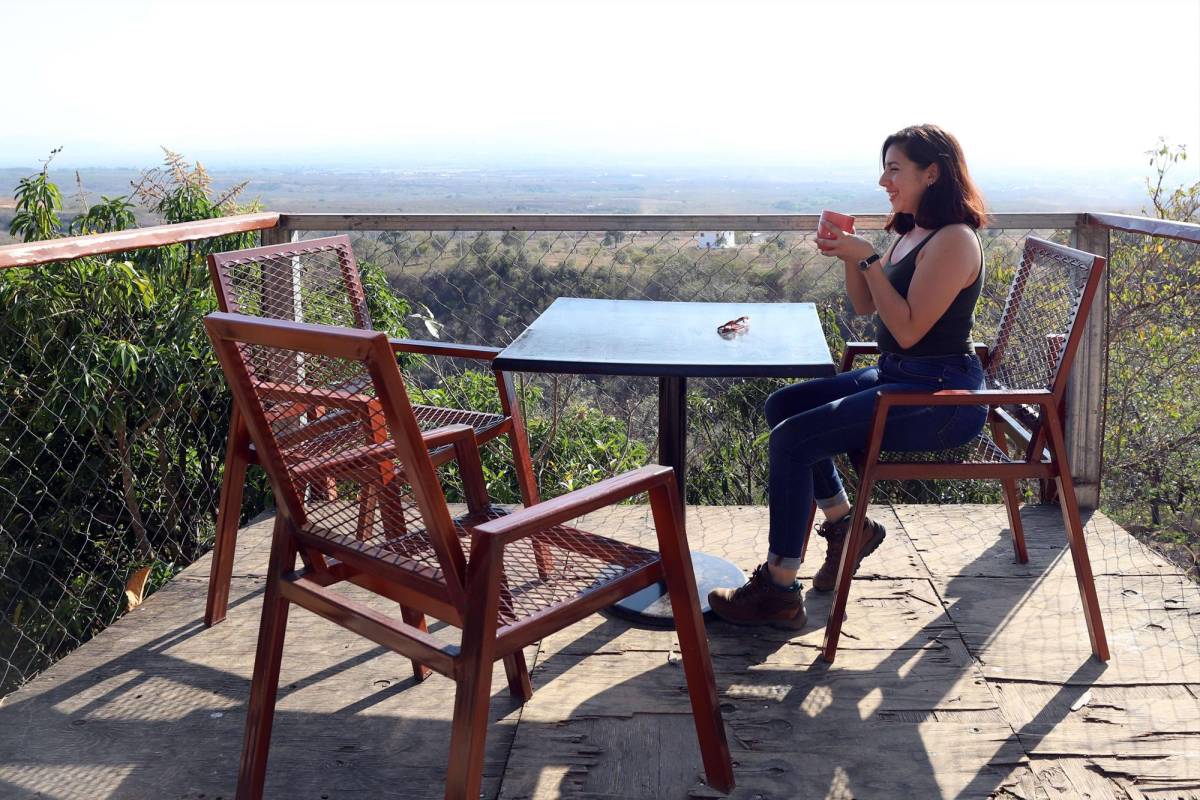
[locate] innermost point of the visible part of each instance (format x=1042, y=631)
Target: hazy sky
x=1070, y=86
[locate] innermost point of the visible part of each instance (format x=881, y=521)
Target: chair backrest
x=1043, y=319
x=313, y=281
x=327, y=410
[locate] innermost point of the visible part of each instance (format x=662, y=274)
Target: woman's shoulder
x=956, y=232
x=957, y=238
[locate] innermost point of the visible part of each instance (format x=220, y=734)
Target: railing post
x=1086, y=389
x=276, y=235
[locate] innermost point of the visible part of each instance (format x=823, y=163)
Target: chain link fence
x=113, y=414
x=113, y=417
x=1152, y=436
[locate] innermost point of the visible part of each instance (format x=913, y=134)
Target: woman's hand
x=846, y=246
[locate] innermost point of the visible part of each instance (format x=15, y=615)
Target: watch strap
x=866, y=263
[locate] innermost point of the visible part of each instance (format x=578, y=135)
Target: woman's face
x=904, y=180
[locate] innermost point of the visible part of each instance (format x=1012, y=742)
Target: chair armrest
x=854, y=350
x=548, y=513
x=449, y=349
x=965, y=397
x=447, y=434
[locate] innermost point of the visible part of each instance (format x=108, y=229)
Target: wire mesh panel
x=113, y=417
x=1040, y=310
x=317, y=284
x=1152, y=420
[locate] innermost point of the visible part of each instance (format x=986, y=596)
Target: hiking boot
x=835, y=535
x=760, y=602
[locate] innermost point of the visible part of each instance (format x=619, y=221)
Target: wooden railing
x=33, y=253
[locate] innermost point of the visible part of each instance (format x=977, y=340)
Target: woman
x=924, y=291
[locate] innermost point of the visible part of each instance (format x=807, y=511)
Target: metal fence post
x=1086, y=389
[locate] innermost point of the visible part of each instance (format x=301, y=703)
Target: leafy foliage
x=1152, y=437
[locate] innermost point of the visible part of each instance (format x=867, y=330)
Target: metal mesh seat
x=317, y=281
x=580, y=561
x=360, y=502
x=980, y=450
x=1026, y=370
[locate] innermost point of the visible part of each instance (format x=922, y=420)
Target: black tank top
x=951, y=334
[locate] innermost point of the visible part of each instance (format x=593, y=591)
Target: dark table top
x=645, y=337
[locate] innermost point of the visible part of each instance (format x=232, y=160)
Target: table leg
x=652, y=606
x=672, y=430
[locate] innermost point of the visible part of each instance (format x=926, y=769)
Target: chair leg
x=229, y=512
x=473, y=672
x=517, y=671
x=515, y=667
x=1013, y=504
x=1010, y=498
x=841, y=592
x=1079, y=555
x=417, y=620
x=693, y=643
x=260, y=713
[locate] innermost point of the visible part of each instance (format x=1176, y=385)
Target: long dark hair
x=953, y=197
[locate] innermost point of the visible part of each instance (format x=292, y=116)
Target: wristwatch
x=866, y=263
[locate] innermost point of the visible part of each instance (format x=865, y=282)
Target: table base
x=651, y=606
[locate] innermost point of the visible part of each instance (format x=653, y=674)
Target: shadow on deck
x=961, y=674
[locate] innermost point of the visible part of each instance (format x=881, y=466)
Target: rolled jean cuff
x=830, y=502
x=784, y=562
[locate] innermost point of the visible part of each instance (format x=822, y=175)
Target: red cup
x=843, y=222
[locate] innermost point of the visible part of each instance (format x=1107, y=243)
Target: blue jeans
x=815, y=420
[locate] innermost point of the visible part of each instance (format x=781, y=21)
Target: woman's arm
x=946, y=266
x=856, y=285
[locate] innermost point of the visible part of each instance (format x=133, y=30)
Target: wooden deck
x=961, y=675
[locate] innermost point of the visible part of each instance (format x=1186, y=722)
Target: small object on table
x=739, y=325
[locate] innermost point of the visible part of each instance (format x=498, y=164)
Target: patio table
x=672, y=341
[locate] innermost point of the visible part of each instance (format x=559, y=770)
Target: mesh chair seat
x=430, y=417
x=980, y=450
x=580, y=560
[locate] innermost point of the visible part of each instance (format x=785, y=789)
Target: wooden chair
x=359, y=501
x=1026, y=372
x=318, y=281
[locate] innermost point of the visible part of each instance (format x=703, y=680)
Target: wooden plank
x=974, y=541
x=911, y=708
x=624, y=222
x=884, y=615
x=1022, y=630
x=31, y=253
x=775, y=756
x=154, y=707
x=1119, y=716
x=1086, y=386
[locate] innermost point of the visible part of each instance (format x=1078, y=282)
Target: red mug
x=843, y=222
